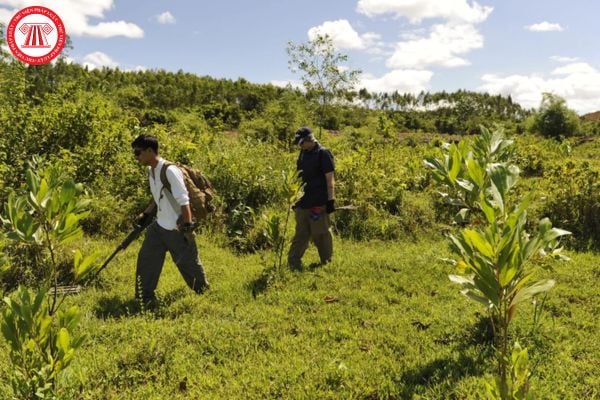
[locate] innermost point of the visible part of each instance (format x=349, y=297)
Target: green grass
x=381, y=321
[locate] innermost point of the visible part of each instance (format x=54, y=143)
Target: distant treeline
x=224, y=104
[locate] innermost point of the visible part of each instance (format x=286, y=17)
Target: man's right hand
x=187, y=228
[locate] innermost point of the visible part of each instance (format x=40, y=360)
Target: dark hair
x=144, y=142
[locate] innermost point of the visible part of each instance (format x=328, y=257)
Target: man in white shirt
x=173, y=230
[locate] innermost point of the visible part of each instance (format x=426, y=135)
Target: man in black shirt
x=312, y=211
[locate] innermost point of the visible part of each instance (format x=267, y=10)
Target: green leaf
x=70, y=318
x=485, y=280
x=461, y=279
x=487, y=208
x=465, y=184
x=478, y=298
x=33, y=180
x=455, y=163
x=63, y=340
x=507, y=274
x=462, y=216
x=77, y=259
x=530, y=291
x=68, y=192
x=43, y=194
x=476, y=173
x=478, y=241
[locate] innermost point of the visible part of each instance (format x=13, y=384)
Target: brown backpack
x=200, y=190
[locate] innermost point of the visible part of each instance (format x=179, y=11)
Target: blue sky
x=522, y=48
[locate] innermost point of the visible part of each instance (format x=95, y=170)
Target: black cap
x=303, y=134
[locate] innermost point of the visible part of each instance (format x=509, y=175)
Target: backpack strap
x=163, y=175
x=166, y=187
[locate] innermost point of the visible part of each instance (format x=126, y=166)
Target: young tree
x=555, y=119
x=496, y=251
x=42, y=337
x=323, y=76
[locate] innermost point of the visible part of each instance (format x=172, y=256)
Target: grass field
x=381, y=321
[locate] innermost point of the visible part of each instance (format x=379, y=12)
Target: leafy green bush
x=46, y=218
x=554, y=119
x=41, y=344
x=531, y=160
x=572, y=197
x=41, y=335
x=278, y=122
x=495, y=250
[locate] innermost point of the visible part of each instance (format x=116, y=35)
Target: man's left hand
x=330, y=206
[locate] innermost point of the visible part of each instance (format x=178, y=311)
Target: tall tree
x=323, y=75
x=555, y=119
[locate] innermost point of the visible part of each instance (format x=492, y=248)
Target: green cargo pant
x=152, y=257
x=310, y=226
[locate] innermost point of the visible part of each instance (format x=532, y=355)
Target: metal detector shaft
x=124, y=244
x=349, y=207
x=108, y=260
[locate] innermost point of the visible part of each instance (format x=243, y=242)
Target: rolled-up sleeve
x=178, y=189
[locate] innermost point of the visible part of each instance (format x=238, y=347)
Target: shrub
x=41, y=344
x=40, y=334
x=495, y=251
x=554, y=119
x=573, y=199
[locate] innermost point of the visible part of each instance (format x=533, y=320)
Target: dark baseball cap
x=302, y=134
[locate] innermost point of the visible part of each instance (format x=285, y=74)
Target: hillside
x=591, y=117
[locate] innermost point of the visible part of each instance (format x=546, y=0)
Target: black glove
x=330, y=206
x=143, y=220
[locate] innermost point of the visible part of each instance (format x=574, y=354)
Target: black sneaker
x=202, y=288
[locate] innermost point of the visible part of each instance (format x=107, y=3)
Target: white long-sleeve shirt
x=166, y=215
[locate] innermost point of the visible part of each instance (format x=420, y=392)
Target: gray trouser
x=310, y=226
x=152, y=257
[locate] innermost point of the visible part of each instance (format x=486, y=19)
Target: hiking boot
x=296, y=267
x=203, y=288
x=149, y=304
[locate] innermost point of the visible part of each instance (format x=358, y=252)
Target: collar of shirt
x=316, y=148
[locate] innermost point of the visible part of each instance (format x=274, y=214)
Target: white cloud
x=404, y=81
x=575, y=68
x=98, y=59
x=578, y=84
x=110, y=29
x=166, y=18
x=544, y=27
x=442, y=47
x=417, y=10
x=76, y=15
x=343, y=35
x=562, y=59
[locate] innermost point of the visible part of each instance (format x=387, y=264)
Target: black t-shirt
x=314, y=164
